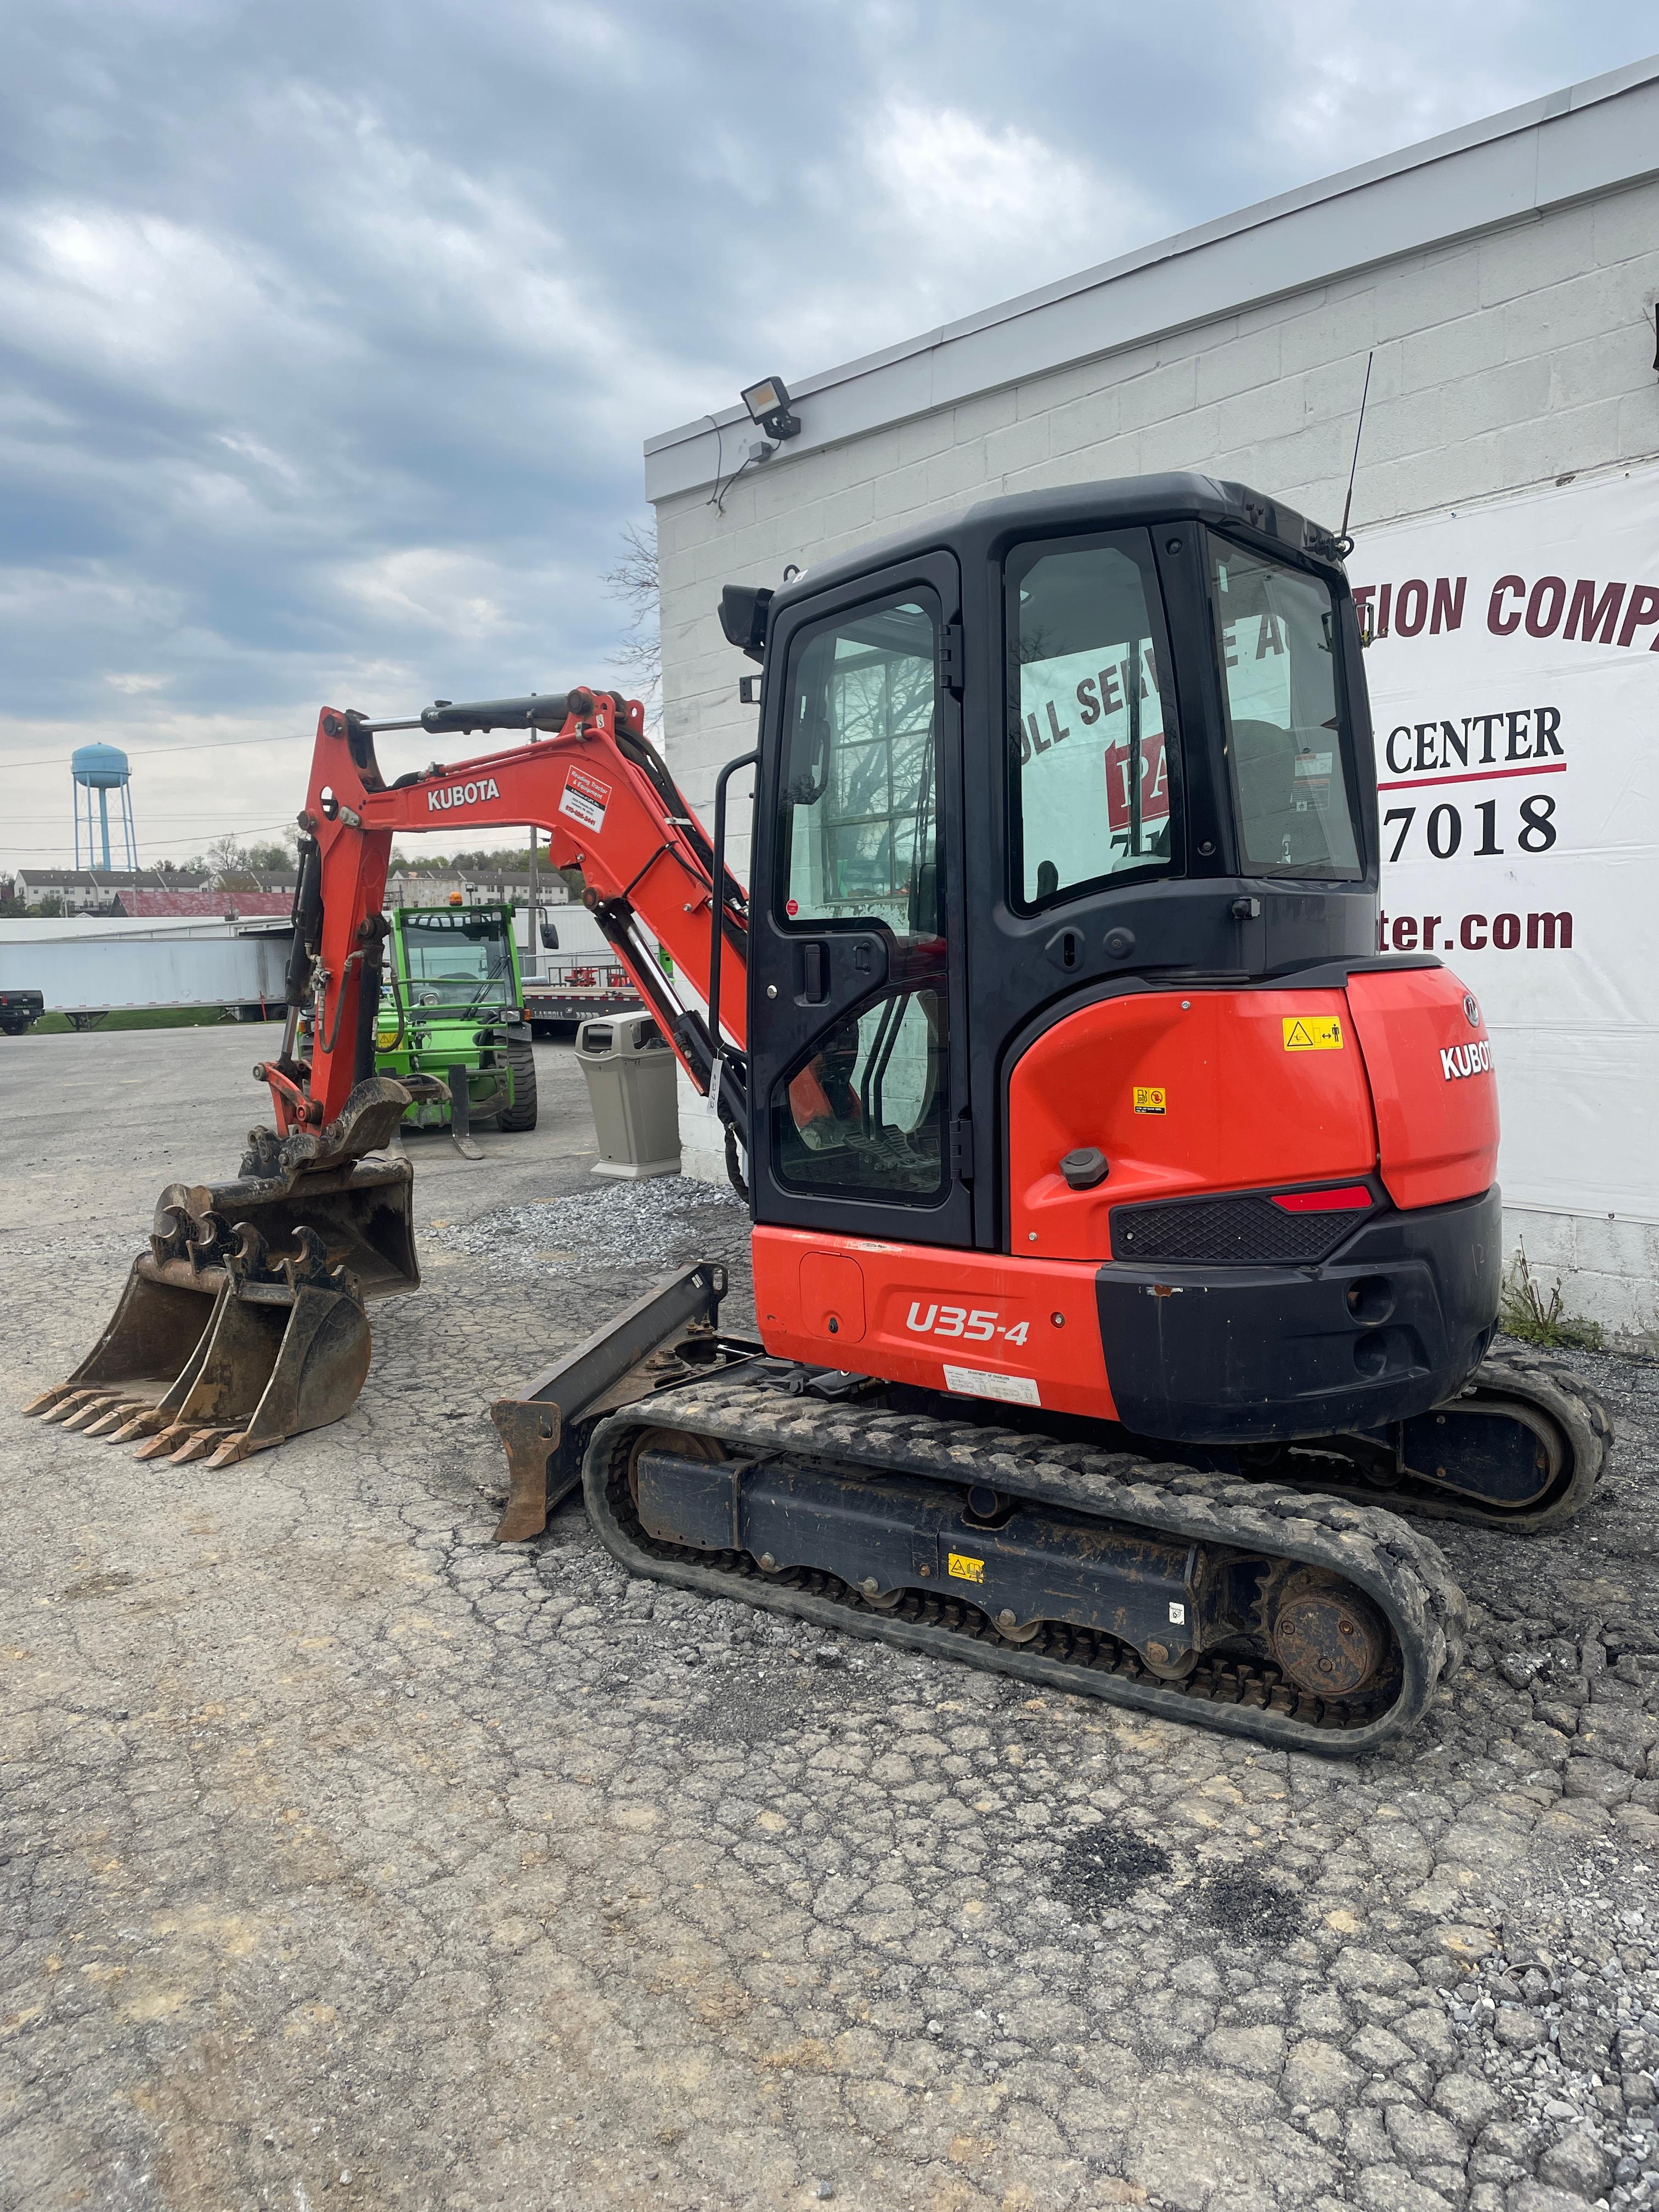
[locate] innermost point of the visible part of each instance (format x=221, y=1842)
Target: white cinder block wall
x=1514, y=342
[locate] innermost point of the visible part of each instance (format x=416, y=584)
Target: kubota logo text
x=1465, y=1060
x=461, y=794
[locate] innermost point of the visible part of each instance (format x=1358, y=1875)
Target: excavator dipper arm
x=601, y=791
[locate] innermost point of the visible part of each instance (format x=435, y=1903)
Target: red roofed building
x=230, y=906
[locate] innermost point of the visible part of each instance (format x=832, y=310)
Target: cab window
x=1091, y=741
x=863, y=1114
x=1286, y=741
x=862, y=827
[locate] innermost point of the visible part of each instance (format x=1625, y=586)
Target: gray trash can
x=630, y=1085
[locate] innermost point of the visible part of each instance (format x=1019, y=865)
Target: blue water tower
x=103, y=768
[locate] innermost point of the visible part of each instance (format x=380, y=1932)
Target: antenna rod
x=1343, y=538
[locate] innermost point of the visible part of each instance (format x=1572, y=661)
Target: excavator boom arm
x=603, y=794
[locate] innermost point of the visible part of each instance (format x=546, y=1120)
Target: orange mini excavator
x=1127, y=1237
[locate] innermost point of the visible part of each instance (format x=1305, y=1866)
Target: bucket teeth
x=93, y=1409
x=46, y=1401
x=182, y=1441
x=144, y=1424
x=166, y=1443
x=200, y=1443
x=115, y=1414
x=239, y=1447
x=67, y=1407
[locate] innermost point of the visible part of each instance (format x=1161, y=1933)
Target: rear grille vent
x=1227, y=1231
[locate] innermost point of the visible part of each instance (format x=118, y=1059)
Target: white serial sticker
x=584, y=799
x=975, y=1383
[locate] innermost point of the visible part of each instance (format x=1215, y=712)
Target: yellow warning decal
x=1149, y=1099
x=1312, y=1033
x=966, y=1571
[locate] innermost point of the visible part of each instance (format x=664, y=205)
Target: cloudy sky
x=329, y=333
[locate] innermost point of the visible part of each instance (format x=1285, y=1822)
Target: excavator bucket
x=243, y=1322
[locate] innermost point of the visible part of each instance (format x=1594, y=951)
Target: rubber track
x=1566, y=1398
x=1403, y=1571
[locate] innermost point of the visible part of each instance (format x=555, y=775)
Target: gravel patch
x=664, y=1223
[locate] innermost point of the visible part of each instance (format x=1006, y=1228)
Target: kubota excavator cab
x=1076, y=1079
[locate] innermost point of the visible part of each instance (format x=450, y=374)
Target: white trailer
x=84, y=979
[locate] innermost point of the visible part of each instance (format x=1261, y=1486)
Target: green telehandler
x=455, y=1009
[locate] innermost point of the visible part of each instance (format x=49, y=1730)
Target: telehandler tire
x=521, y=1064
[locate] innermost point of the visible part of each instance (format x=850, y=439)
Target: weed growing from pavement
x=1524, y=1312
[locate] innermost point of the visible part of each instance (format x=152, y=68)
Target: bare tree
x=227, y=862
x=634, y=581
x=273, y=856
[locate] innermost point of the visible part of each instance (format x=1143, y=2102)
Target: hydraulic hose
x=369, y=986
x=306, y=916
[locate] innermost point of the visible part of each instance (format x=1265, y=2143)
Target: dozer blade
x=243, y=1322
x=544, y=1428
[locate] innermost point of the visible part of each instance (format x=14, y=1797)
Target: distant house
x=409, y=888
x=94, y=890
x=249, y=880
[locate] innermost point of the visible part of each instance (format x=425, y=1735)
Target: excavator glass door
x=856, y=1075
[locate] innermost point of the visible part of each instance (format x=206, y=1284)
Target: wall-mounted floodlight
x=767, y=403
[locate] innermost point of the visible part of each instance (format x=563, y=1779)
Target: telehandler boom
x=1127, y=1236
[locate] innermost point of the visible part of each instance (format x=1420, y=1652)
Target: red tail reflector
x=1348, y=1200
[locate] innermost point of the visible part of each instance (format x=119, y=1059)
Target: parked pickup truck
x=20, y=1010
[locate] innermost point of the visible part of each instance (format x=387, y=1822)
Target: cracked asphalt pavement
x=349, y=1859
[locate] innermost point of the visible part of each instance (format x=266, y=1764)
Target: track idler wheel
x=1328, y=1637
x=681, y=1440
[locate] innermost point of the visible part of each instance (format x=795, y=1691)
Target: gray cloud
x=329, y=335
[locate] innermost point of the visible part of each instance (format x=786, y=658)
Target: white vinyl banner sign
x=1514, y=677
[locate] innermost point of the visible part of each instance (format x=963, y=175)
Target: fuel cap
x=1086, y=1167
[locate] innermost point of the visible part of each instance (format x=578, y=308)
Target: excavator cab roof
x=985, y=529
